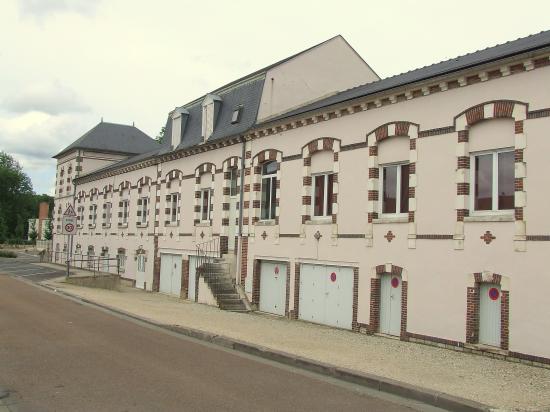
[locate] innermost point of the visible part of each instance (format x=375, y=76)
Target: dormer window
x=179, y=121
x=210, y=110
x=236, y=117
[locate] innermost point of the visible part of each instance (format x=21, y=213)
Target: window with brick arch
x=269, y=191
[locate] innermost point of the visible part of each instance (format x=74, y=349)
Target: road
x=57, y=354
x=24, y=267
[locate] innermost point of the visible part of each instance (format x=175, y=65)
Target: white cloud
x=52, y=98
x=41, y=8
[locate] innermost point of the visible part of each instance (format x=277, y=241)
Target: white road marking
x=40, y=273
x=23, y=270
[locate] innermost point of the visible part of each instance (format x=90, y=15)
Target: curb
x=394, y=387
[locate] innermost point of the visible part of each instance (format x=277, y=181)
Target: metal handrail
x=206, y=252
x=93, y=263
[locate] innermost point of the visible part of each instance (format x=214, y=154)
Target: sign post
x=69, y=228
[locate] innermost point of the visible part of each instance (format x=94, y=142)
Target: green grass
x=7, y=254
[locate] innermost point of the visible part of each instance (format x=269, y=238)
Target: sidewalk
x=494, y=382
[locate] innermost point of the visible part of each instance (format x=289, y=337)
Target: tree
x=18, y=202
x=48, y=230
x=32, y=231
x=160, y=136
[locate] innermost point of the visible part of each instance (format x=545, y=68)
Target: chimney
x=43, y=210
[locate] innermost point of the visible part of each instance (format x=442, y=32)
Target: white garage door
x=273, y=287
x=326, y=295
x=170, y=274
x=191, y=294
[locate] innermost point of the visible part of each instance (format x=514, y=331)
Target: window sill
x=171, y=224
x=106, y=225
x=142, y=225
x=203, y=224
x=391, y=219
x=266, y=223
x=91, y=226
x=491, y=217
x=123, y=225
x=320, y=221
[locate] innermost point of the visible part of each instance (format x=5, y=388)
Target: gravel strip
x=502, y=384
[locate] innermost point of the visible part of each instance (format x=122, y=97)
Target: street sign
x=68, y=225
x=69, y=211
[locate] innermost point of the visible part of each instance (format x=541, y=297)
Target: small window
x=93, y=214
x=233, y=181
x=322, y=194
x=173, y=206
x=236, y=117
x=206, y=206
x=269, y=191
x=124, y=210
x=107, y=213
x=121, y=259
x=492, y=179
x=142, y=217
x=395, y=189
x=141, y=263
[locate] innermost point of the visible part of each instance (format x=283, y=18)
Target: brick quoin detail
x=256, y=267
x=244, y=259
x=296, y=312
x=184, y=279
x=156, y=264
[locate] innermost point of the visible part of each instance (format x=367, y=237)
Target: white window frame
x=273, y=202
x=141, y=263
x=233, y=173
x=125, y=210
x=94, y=214
x=108, y=211
x=325, y=197
x=397, y=190
x=173, y=206
x=143, y=208
x=495, y=210
x=209, y=205
x=81, y=215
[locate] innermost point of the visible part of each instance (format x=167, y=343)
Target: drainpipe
x=241, y=197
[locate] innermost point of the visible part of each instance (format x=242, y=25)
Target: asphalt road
x=24, y=267
x=60, y=355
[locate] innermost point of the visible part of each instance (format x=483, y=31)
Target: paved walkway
x=501, y=384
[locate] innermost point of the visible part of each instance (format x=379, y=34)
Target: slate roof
x=112, y=137
x=501, y=51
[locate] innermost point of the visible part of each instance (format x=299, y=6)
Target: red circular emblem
x=494, y=293
x=333, y=276
x=276, y=270
x=394, y=282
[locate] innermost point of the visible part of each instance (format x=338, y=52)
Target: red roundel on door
x=276, y=270
x=494, y=293
x=333, y=276
x=394, y=282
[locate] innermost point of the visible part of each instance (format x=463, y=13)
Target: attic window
x=236, y=118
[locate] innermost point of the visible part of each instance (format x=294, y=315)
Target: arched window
x=269, y=191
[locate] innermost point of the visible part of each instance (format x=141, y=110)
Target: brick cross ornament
x=487, y=237
x=389, y=236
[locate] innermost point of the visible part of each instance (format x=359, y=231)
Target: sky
x=65, y=64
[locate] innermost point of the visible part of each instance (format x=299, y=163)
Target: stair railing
x=206, y=252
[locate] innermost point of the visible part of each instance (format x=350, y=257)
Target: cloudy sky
x=64, y=64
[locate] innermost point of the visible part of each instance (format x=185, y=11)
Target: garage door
x=273, y=287
x=170, y=274
x=191, y=294
x=326, y=295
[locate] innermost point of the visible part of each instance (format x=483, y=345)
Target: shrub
x=7, y=254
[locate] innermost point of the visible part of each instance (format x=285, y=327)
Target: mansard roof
x=520, y=46
x=113, y=138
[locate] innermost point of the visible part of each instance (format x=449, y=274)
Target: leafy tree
x=18, y=202
x=48, y=230
x=32, y=231
x=160, y=136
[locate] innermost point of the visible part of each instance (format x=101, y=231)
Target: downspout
x=241, y=198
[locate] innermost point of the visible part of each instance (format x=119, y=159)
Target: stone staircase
x=217, y=275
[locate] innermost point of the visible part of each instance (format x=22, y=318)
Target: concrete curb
x=4, y=393
x=430, y=397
